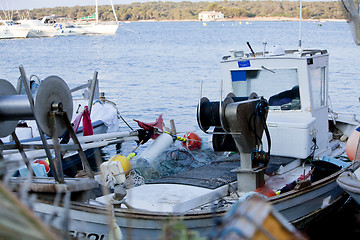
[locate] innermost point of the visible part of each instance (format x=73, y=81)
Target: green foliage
x=190, y=10
x=177, y=230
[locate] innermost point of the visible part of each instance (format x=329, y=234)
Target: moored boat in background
x=37, y=28
x=8, y=29
x=98, y=27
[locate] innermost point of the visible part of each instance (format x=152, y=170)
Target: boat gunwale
x=289, y=54
x=145, y=214
x=316, y=185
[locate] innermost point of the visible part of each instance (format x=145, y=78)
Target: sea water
x=149, y=68
x=157, y=67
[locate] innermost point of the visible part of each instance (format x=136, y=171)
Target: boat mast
x=96, y=12
x=300, y=20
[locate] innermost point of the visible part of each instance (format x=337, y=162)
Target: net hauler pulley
x=51, y=108
x=241, y=122
x=53, y=94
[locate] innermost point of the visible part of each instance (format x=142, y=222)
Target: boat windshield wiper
x=267, y=69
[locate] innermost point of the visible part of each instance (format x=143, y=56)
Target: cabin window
x=318, y=87
x=279, y=86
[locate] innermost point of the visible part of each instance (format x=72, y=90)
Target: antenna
x=300, y=21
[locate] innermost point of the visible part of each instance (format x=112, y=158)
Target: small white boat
x=38, y=28
x=9, y=29
x=98, y=27
x=350, y=182
x=67, y=29
x=61, y=28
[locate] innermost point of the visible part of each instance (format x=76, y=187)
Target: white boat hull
x=351, y=184
x=38, y=28
x=297, y=206
x=13, y=32
x=41, y=32
x=99, y=28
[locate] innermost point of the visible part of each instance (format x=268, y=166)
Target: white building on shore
x=210, y=16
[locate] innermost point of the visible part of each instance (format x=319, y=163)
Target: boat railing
x=306, y=52
x=83, y=86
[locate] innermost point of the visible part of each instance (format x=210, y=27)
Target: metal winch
x=239, y=124
x=53, y=94
x=51, y=108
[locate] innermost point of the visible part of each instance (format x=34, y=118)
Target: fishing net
x=171, y=162
x=178, y=160
x=351, y=11
x=134, y=179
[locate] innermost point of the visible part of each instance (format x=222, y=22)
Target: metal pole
x=22, y=152
x=57, y=147
x=300, y=21
x=84, y=161
x=92, y=90
x=96, y=12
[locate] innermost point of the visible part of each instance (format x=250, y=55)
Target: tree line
x=187, y=10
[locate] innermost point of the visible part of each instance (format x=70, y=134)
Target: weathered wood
x=19, y=222
x=49, y=185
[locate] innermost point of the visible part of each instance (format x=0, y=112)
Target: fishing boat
x=278, y=137
x=9, y=29
x=288, y=150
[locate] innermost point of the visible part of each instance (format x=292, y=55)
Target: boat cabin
x=295, y=84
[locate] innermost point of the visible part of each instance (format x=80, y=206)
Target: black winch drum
x=209, y=113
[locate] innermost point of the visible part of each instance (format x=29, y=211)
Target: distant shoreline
x=253, y=19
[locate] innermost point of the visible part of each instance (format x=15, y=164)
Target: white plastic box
x=291, y=136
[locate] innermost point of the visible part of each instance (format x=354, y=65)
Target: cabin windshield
x=318, y=91
x=279, y=86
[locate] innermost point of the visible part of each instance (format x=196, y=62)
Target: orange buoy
x=266, y=191
x=193, y=141
x=45, y=163
x=353, y=144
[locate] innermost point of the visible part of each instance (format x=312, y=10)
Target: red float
x=193, y=141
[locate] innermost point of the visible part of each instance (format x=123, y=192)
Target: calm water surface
x=157, y=66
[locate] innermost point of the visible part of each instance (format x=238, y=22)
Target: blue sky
x=31, y=4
